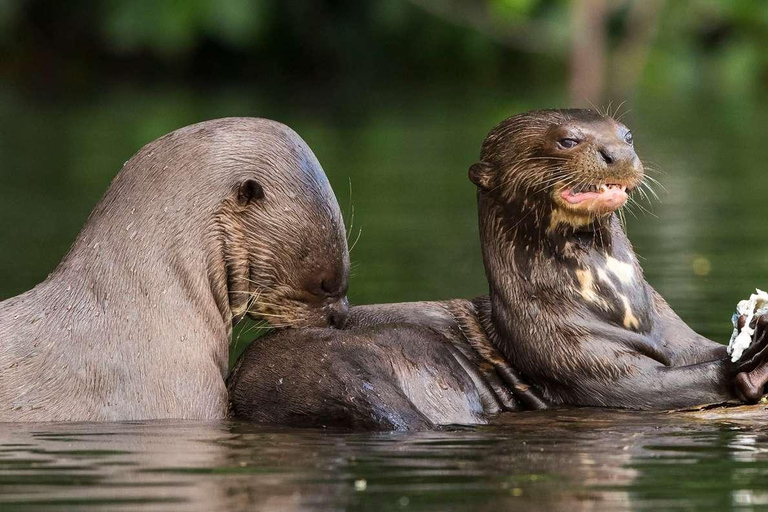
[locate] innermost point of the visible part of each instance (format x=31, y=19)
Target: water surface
x=556, y=460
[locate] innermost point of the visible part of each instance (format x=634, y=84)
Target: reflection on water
x=556, y=460
x=406, y=155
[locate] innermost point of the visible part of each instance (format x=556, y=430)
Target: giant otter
x=568, y=312
x=568, y=302
x=202, y=226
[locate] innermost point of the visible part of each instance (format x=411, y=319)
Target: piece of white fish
x=755, y=305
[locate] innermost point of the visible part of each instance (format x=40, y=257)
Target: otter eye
x=567, y=143
x=628, y=138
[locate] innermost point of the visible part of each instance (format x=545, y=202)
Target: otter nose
x=612, y=155
x=338, y=313
x=605, y=153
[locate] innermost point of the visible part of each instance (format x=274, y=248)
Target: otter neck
x=522, y=250
x=518, y=233
x=149, y=270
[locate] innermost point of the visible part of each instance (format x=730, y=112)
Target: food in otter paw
x=741, y=339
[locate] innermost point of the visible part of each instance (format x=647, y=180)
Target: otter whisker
x=254, y=298
x=654, y=181
x=622, y=218
x=269, y=315
x=597, y=109
x=646, y=191
x=653, y=166
x=257, y=307
x=351, y=210
x=616, y=115
x=645, y=210
x=542, y=185
x=241, y=311
x=532, y=158
x=359, y=233
x=556, y=176
x=246, y=292
x=552, y=181
x=608, y=109
x=256, y=326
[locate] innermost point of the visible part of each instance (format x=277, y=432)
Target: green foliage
x=175, y=26
x=695, y=44
x=512, y=10
x=9, y=15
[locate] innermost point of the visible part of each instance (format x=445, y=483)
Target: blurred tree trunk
x=599, y=71
x=599, y=74
x=631, y=55
x=588, y=52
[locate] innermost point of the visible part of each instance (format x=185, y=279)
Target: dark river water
x=556, y=460
x=404, y=156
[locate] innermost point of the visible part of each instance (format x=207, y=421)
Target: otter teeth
x=605, y=187
x=584, y=188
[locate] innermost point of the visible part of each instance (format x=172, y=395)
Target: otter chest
x=614, y=290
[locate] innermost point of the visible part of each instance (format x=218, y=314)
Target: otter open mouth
x=608, y=196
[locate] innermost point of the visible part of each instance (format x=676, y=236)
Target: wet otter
x=202, y=226
x=408, y=366
x=391, y=377
x=568, y=306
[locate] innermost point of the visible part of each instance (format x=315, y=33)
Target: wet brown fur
x=569, y=305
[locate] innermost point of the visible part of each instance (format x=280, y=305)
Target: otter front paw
x=752, y=366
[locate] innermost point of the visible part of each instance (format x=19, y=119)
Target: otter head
x=570, y=168
x=285, y=246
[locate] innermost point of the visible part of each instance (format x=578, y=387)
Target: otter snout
x=617, y=155
x=337, y=313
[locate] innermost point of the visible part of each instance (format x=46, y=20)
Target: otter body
x=408, y=366
x=390, y=377
x=192, y=234
x=569, y=305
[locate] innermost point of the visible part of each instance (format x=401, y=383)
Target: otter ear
x=248, y=192
x=480, y=175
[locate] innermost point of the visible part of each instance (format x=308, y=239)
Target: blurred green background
x=395, y=97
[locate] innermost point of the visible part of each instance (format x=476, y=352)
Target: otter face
x=579, y=163
x=288, y=262
x=600, y=166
